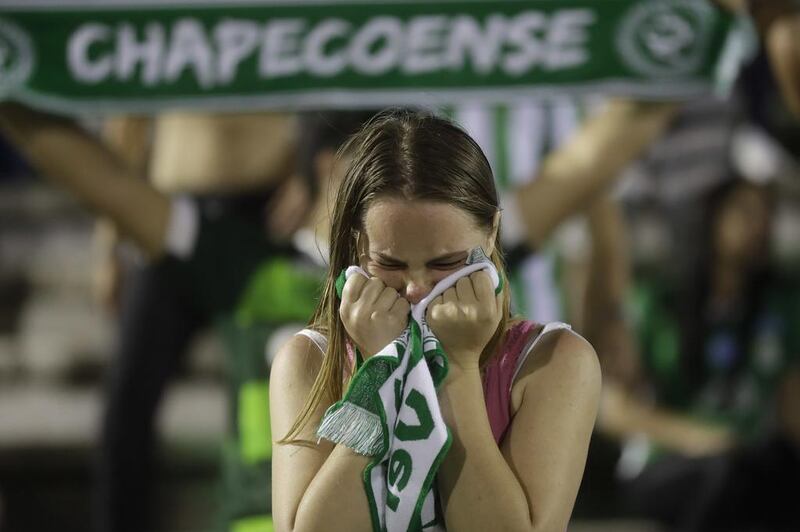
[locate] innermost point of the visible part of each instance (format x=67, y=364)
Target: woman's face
x=412, y=245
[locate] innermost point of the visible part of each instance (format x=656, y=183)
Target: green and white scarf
x=91, y=56
x=391, y=412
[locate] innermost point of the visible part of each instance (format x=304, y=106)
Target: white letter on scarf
x=280, y=53
x=149, y=52
x=469, y=40
x=78, y=54
x=384, y=58
x=189, y=48
x=317, y=62
x=235, y=39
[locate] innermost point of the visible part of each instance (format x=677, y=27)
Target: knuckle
x=375, y=281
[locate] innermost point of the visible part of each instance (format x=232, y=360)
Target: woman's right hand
x=372, y=313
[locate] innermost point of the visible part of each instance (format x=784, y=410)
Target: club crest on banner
x=16, y=55
x=665, y=38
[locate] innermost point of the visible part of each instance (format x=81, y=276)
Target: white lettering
x=235, y=39
x=84, y=69
x=280, y=50
x=317, y=62
x=522, y=36
x=424, y=45
x=368, y=61
x=189, y=49
x=567, y=37
x=467, y=38
x=149, y=52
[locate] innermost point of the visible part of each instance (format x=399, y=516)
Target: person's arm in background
x=609, y=277
x=625, y=411
x=129, y=137
x=624, y=415
x=789, y=405
x=778, y=25
x=70, y=157
x=572, y=177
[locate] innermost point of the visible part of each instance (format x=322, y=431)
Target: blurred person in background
x=217, y=264
x=230, y=165
x=717, y=431
x=777, y=23
x=516, y=137
x=739, y=410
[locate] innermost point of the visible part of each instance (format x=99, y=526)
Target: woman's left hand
x=465, y=317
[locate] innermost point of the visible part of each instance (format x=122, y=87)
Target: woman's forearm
x=478, y=489
x=335, y=500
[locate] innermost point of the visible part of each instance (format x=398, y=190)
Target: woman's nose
x=416, y=290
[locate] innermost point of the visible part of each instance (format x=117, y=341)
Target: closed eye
x=447, y=265
x=389, y=266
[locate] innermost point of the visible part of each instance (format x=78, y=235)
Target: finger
x=400, y=306
x=432, y=305
x=450, y=296
x=483, y=286
x=387, y=298
x=353, y=287
x=464, y=290
x=372, y=291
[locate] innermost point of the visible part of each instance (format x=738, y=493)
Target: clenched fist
x=465, y=317
x=372, y=313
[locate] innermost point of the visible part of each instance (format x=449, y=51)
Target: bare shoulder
x=296, y=364
x=561, y=362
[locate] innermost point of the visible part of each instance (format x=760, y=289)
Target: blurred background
x=133, y=396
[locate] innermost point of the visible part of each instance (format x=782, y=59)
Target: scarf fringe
x=354, y=427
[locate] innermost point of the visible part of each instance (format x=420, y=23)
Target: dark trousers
x=156, y=325
x=752, y=488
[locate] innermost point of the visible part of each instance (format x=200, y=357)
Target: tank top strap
x=532, y=341
x=316, y=337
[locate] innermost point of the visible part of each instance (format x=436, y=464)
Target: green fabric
x=280, y=290
x=774, y=348
x=83, y=56
x=228, y=254
x=253, y=524
x=255, y=436
x=390, y=389
x=500, y=165
x=245, y=330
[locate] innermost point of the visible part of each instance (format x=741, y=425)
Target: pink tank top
x=498, y=377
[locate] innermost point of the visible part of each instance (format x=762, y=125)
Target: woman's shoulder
x=300, y=358
x=560, y=359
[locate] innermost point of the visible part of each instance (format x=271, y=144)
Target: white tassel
x=354, y=427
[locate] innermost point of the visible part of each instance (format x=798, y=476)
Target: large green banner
x=114, y=55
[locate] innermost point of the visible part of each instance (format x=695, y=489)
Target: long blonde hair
x=405, y=154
